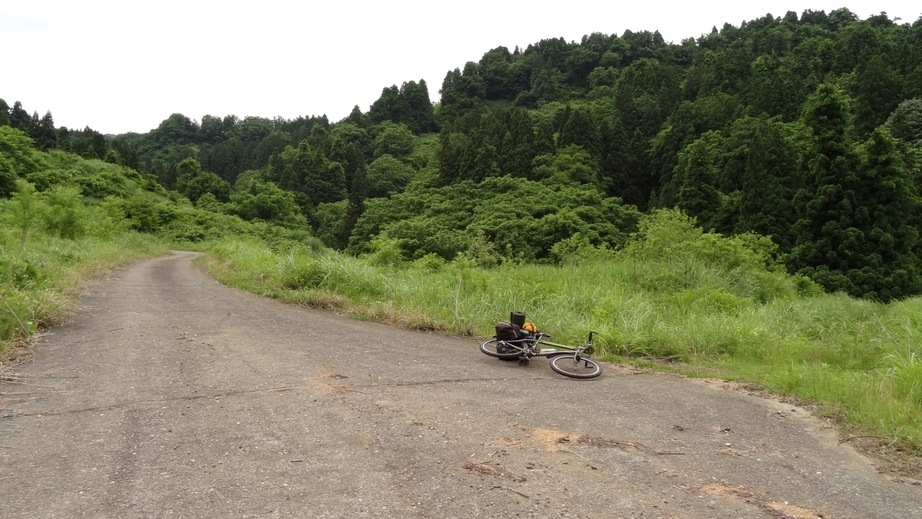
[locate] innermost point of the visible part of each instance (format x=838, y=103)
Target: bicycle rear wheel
x=569, y=366
x=500, y=349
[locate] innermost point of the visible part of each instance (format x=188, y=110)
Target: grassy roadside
x=40, y=280
x=859, y=362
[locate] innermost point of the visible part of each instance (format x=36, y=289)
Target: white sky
x=125, y=65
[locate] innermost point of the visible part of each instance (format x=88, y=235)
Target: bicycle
x=576, y=364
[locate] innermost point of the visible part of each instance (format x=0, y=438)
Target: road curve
x=170, y=395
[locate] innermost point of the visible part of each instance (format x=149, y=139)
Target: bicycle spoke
x=575, y=366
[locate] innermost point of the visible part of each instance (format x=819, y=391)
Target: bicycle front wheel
x=500, y=349
x=570, y=366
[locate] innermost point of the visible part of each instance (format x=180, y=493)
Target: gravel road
x=170, y=395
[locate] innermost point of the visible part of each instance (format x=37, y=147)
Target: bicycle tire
x=492, y=348
x=568, y=366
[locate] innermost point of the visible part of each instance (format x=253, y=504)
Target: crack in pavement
x=341, y=387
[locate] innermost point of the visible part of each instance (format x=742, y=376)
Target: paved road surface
x=172, y=396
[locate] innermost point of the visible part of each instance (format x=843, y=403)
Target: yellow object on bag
x=530, y=326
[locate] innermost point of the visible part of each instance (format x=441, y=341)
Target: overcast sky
x=124, y=66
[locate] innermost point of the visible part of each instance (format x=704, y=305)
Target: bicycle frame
x=566, y=360
x=529, y=347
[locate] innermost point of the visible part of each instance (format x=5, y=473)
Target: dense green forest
x=804, y=128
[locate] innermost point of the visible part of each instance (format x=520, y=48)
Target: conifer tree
x=696, y=175
x=905, y=123
x=356, y=117
x=417, y=108
x=20, y=118
x=292, y=173
x=889, y=217
x=4, y=113
x=827, y=232
x=767, y=185
x=387, y=107
x=617, y=171
x=581, y=129
x=275, y=170
x=645, y=94
x=451, y=98
x=518, y=145
x=877, y=94
x=358, y=192
x=45, y=136
x=450, y=154
x=65, y=142
x=321, y=180
x=544, y=139
x=495, y=66
x=91, y=145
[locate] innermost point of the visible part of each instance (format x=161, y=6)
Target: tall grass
x=40, y=278
x=860, y=361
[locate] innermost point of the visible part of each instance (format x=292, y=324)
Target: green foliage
x=688, y=122
x=393, y=139
x=19, y=273
x=480, y=252
x=522, y=219
x=570, y=165
x=4, y=113
x=17, y=159
x=889, y=220
x=385, y=251
x=144, y=212
x=646, y=93
x=265, y=201
x=193, y=183
x=95, y=179
x=696, y=176
x=387, y=175
x=669, y=234
x=90, y=144
x=876, y=92
x=767, y=183
x=905, y=123
x=825, y=232
x=431, y=262
x=65, y=214
x=23, y=211
x=577, y=249
x=855, y=234
x=329, y=220
x=409, y=106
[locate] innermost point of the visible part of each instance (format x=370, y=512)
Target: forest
x=806, y=129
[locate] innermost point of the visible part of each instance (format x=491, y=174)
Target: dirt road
x=171, y=395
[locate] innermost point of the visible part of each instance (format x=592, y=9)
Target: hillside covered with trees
x=804, y=128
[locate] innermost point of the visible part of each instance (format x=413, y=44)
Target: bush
x=65, y=214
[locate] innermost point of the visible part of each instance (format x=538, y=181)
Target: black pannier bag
x=508, y=332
